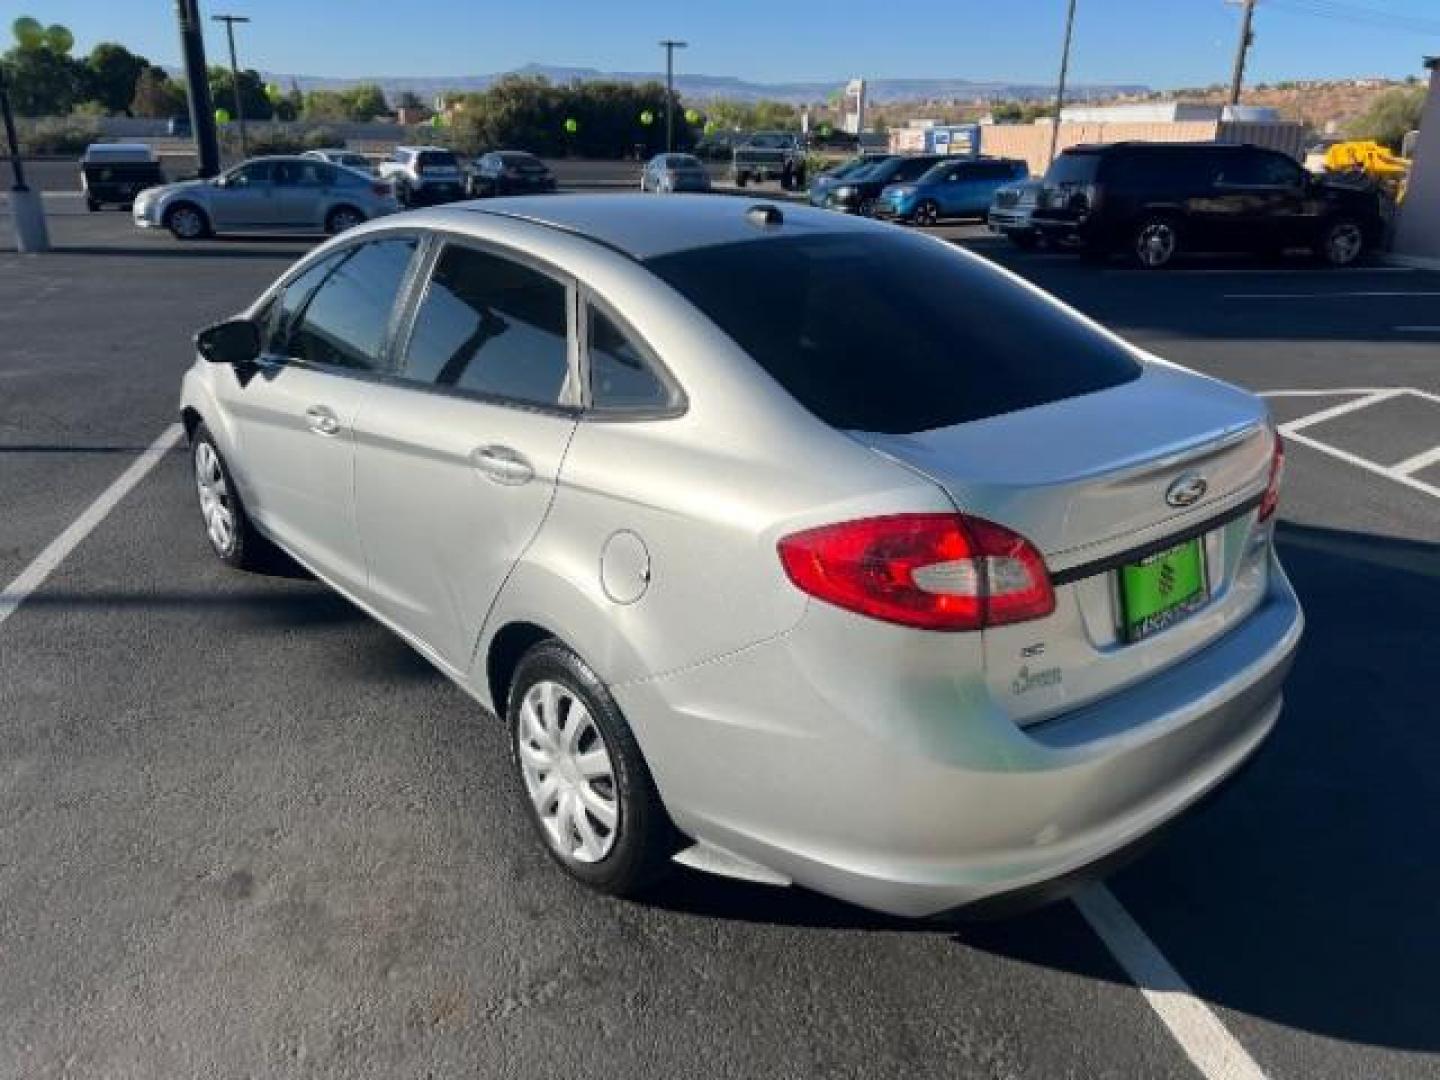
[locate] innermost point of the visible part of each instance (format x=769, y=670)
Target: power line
x=1340, y=11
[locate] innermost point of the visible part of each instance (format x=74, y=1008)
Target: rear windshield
x=893, y=333
x=1072, y=168
x=436, y=159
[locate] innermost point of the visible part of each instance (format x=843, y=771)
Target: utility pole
x=1242, y=50
x=230, y=21
x=197, y=82
x=670, y=46
x=1060, y=86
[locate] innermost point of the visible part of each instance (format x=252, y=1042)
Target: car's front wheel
x=1342, y=242
x=587, y=788
x=926, y=213
x=227, y=526
x=187, y=222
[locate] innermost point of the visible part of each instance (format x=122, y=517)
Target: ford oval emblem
x=1187, y=490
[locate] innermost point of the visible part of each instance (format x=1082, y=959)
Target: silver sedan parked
x=789, y=546
x=674, y=172
x=268, y=194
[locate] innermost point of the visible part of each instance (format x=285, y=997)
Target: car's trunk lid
x=1086, y=480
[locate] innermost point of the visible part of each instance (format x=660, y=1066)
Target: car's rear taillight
x=931, y=571
x=1271, y=499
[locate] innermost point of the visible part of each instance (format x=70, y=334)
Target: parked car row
x=921, y=189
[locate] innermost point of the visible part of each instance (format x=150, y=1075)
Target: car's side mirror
x=234, y=342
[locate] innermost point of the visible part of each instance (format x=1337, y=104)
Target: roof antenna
x=765, y=215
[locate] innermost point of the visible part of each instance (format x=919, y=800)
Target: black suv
x=1156, y=200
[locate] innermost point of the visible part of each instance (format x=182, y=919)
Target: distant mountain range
x=710, y=87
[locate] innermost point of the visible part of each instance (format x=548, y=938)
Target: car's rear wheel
x=342, y=218
x=1342, y=242
x=187, y=222
x=866, y=208
x=1156, y=242
x=927, y=212
x=588, y=791
x=227, y=526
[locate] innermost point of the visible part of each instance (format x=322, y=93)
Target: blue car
x=950, y=189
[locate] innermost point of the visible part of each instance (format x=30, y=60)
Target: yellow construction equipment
x=1373, y=160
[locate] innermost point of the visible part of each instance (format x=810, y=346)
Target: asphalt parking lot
x=245, y=831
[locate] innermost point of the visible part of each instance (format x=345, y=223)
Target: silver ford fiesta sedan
x=792, y=547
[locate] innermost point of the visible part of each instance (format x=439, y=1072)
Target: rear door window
x=893, y=333
x=913, y=169
x=1259, y=168
x=491, y=326
x=622, y=377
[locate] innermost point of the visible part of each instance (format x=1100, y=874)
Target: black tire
x=402, y=194
x=866, y=207
x=926, y=213
x=643, y=837
x=1155, y=242
x=1025, y=241
x=741, y=179
x=341, y=218
x=186, y=221
x=247, y=550
x=1341, y=242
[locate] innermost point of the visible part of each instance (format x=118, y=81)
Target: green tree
x=43, y=83
x=1389, y=116
x=157, y=96
x=365, y=101
x=112, y=73
x=252, y=92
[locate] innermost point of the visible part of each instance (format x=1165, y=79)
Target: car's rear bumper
x=1004, y=221
x=915, y=796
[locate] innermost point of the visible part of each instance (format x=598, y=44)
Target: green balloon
x=272, y=92
x=222, y=116
x=711, y=127
x=572, y=125
x=647, y=118
x=59, y=39
x=29, y=34
x=691, y=116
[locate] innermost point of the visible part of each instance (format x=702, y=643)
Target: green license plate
x=1161, y=589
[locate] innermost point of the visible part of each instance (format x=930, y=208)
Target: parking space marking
x=44, y=564
x=1401, y=472
x=1206, y=1041
x=1422, y=460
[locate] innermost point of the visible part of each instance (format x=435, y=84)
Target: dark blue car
x=950, y=189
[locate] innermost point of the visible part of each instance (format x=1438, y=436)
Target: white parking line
x=1422, y=460
x=1363, y=293
x=44, y=564
x=1205, y=1040
x=1400, y=473
x=1331, y=413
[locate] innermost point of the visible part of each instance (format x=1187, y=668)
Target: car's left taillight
x=929, y=571
x=1271, y=499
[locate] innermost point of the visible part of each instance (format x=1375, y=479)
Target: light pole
x=27, y=213
x=1060, y=86
x=230, y=21
x=670, y=46
x=1242, y=50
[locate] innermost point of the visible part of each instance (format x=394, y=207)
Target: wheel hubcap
x=1344, y=243
x=345, y=220
x=927, y=214
x=568, y=774
x=1156, y=244
x=214, y=498
x=187, y=222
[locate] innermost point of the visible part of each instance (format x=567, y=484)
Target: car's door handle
x=322, y=421
x=503, y=465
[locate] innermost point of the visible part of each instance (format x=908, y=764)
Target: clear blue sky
x=1163, y=43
